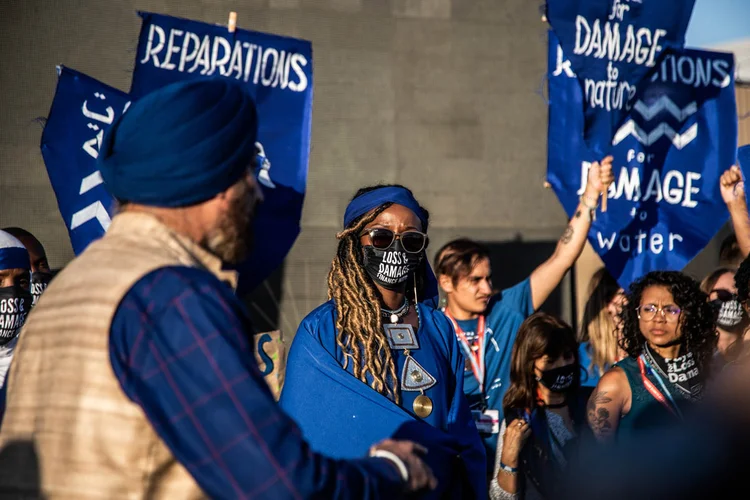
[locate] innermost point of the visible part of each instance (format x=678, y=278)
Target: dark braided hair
x=697, y=319
x=359, y=325
x=742, y=281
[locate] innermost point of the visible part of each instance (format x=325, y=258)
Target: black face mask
x=390, y=268
x=15, y=303
x=39, y=282
x=559, y=379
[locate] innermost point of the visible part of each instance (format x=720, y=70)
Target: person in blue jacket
x=487, y=322
x=374, y=362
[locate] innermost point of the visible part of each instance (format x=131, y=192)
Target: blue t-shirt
x=507, y=311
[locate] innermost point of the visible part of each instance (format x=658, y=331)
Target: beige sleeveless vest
x=69, y=431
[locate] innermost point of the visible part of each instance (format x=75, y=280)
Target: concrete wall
x=440, y=95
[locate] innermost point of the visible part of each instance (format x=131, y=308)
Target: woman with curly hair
x=375, y=362
x=669, y=335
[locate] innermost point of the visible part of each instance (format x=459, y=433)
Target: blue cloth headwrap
x=181, y=144
x=373, y=199
x=401, y=196
x=13, y=254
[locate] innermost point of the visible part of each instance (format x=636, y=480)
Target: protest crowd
x=134, y=371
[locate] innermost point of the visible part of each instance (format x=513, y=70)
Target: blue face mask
x=15, y=303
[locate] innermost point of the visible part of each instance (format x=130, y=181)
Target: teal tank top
x=646, y=413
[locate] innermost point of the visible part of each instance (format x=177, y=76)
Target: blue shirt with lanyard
x=487, y=376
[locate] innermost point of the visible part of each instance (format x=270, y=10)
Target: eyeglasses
x=648, y=312
x=382, y=239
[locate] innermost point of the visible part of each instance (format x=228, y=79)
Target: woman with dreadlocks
x=669, y=334
x=375, y=361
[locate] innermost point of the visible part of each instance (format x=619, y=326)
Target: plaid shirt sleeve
x=180, y=347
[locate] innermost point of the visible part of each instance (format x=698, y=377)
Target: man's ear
x=446, y=283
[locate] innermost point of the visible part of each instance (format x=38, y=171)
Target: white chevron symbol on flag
x=664, y=102
x=94, y=211
x=679, y=140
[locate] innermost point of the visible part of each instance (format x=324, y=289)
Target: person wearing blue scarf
x=375, y=360
x=487, y=322
x=15, y=296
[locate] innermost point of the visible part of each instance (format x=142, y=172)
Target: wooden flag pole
x=604, y=198
x=232, y=23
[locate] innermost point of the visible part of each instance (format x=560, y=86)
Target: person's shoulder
x=614, y=381
x=499, y=312
x=436, y=318
x=439, y=327
x=178, y=276
x=158, y=289
x=320, y=320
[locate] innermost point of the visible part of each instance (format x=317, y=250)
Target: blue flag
x=81, y=112
x=278, y=74
x=743, y=156
x=610, y=45
x=669, y=152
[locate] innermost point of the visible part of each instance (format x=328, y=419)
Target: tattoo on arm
x=567, y=235
x=578, y=214
x=598, y=416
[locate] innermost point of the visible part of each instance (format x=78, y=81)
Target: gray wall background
x=440, y=95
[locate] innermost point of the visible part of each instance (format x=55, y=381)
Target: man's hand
x=420, y=475
x=732, y=186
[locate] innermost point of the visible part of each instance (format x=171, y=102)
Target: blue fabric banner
x=278, y=74
x=81, y=112
x=610, y=45
x=743, y=156
x=669, y=153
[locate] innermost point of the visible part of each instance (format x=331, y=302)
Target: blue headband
x=373, y=199
x=13, y=254
x=401, y=196
x=180, y=145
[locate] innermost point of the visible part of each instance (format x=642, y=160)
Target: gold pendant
x=422, y=406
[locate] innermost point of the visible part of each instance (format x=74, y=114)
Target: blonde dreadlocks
x=359, y=327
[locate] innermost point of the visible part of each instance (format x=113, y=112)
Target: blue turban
x=13, y=255
x=401, y=196
x=388, y=194
x=180, y=145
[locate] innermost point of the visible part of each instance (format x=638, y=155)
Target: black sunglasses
x=382, y=239
x=723, y=295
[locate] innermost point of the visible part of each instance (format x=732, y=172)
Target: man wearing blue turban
x=135, y=376
x=375, y=360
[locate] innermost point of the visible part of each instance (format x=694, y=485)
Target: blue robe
x=342, y=417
